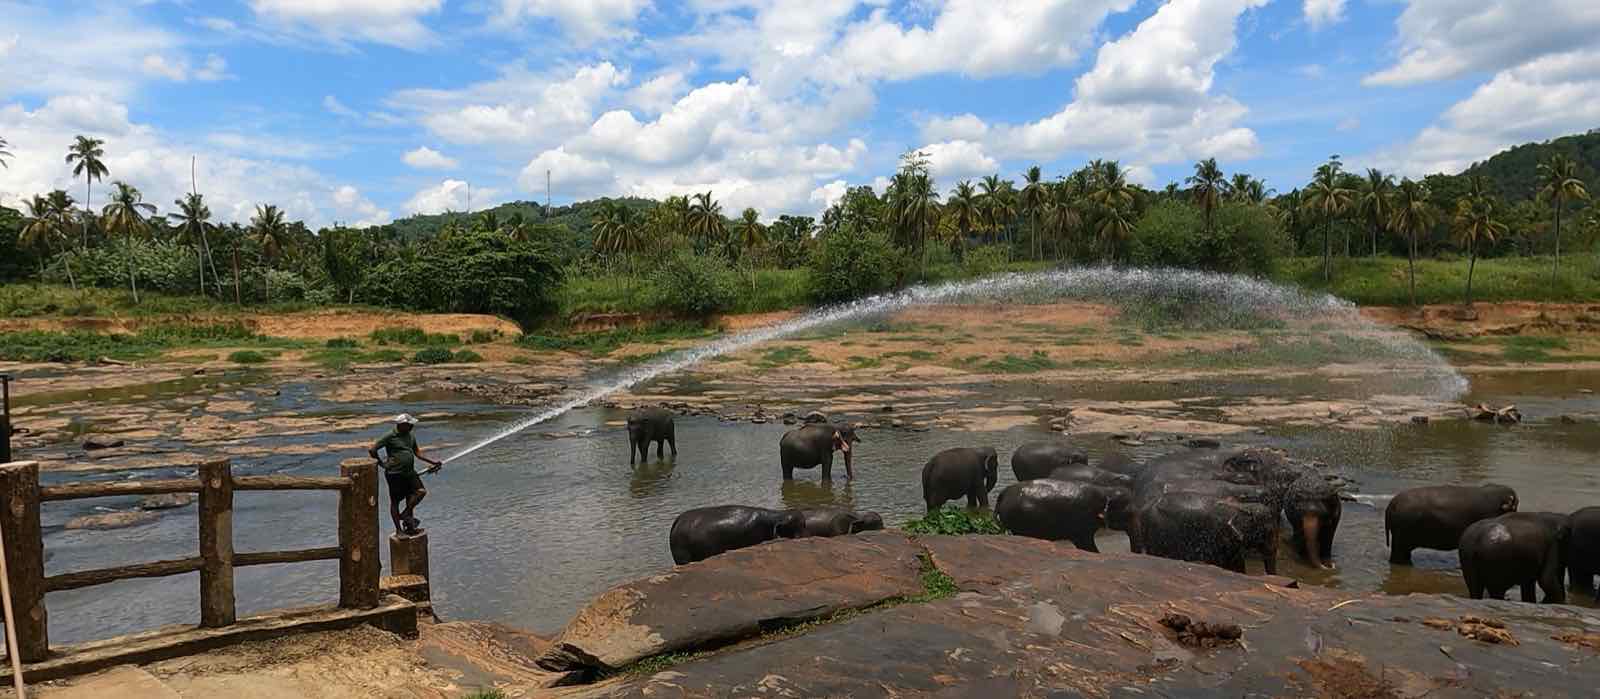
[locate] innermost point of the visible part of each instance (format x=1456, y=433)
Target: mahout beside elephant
x=646, y=425
x=826, y=520
x=1518, y=549
x=1207, y=528
x=1435, y=516
x=1044, y=508
x=813, y=445
x=1039, y=459
x=1583, y=549
x=704, y=532
x=960, y=472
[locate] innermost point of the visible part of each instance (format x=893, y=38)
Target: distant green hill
x=576, y=217
x=1514, y=173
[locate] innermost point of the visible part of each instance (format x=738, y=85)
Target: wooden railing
x=21, y=495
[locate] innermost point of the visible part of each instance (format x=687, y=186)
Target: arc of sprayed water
x=1092, y=283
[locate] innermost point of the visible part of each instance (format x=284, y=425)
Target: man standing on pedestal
x=400, y=471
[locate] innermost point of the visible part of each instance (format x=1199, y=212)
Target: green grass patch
x=483, y=337
x=247, y=357
x=413, y=337
x=1383, y=281
x=857, y=362
x=1012, y=364
x=913, y=355
x=432, y=355
x=955, y=521
x=342, y=343
x=600, y=344
x=784, y=356
x=81, y=345
x=466, y=357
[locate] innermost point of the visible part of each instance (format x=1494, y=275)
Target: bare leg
x=412, y=502
x=394, y=514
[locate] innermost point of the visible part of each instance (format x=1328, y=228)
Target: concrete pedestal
x=408, y=555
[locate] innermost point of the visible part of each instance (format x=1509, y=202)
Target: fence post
x=359, y=566
x=24, y=551
x=216, y=544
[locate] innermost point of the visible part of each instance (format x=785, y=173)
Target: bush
x=432, y=355
x=247, y=357
x=415, y=337
x=694, y=285
x=161, y=265
x=466, y=357
x=480, y=337
x=847, y=265
x=342, y=343
x=467, y=272
x=955, y=521
x=984, y=261
x=1245, y=239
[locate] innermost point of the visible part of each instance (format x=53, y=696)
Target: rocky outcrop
x=166, y=501
x=112, y=520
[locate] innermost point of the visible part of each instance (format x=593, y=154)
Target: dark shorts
x=402, y=485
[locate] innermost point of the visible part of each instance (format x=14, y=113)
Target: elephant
x=1055, y=510
x=1516, y=549
x=1120, y=463
x=1038, y=459
x=1088, y=474
x=963, y=471
x=1583, y=550
x=1313, y=508
x=813, y=445
x=837, y=521
x=1206, y=528
x=1434, y=516
x=647, y=425
x=704, y=532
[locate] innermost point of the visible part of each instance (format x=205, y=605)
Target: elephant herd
x=1206, y=504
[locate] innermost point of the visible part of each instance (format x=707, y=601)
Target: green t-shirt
x=401, y=450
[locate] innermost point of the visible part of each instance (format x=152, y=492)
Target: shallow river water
x=528, y=529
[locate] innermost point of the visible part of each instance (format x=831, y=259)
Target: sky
x=358, y=112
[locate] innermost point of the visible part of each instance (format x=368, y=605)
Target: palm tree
x=752, y=235
x=269, y=231
x=1034, y=201
x=43, y=228
x=1206, y=185
x=4, y=154
x=1376, y=202
x=705, y=222
x=1475, y=222
x=1559, y=177
x=1412, y=215
x=1115, y=227
x=965, y=211
x=195, y=220
x=86, y=153
x=124, y=216
x=1329, y=199
x=1111, y=188
x=1064, y=217
x=488, y=222
x=616, y=232
x=998, y=206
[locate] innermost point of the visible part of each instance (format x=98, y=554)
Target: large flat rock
x=1040, y=619
x=736, y=595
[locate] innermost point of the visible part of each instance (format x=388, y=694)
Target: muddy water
x=528, y=529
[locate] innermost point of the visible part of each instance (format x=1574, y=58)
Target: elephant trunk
x=849, y=460
x=1310, y=536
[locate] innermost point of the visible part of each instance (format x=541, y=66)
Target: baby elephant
x=1435, y=516
x=707, y=531
x=647, y=425
x=837, y=521
x=1517, y=549
x=958, y=472
x=1038, y=459
x=1054, y=510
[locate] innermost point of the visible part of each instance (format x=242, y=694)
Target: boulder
x=167, y=501
x=94, y=442
x=112, y=520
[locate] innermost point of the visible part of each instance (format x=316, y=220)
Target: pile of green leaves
x=955, y=521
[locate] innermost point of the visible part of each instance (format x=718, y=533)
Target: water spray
x=1099, y=284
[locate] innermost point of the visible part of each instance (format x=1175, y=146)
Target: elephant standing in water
x=1207, y=528
x=1037, y=459
x=962, y=472
x=647, y=425
x=1583, y=549
x=1054, y=510
x=704, y=532
x=1518, y=549
x=1435, y=516
x=813, y=445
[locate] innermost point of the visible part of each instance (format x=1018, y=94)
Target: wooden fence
x=21, y=495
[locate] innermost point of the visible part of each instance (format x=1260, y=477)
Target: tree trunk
x=1472, y=250
x=1555, y=270
x=1374, y=241
x=133, y=282
x=67, y=262
x=238, y=297
x=88, y=212
x=1411, y=264
x=210, y=260
x=200, y=255
x=1327, y=252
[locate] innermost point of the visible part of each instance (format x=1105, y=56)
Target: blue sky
x=361, y=111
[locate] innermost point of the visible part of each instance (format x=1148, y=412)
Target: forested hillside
x=1513, y=173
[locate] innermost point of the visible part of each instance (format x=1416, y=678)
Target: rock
x=759, y=420
x=1586, y=390
x=1204, y=443
x=200, y=372
x=166, y=501
x=112, y=520
x=788, y=421
x=94, y=442
x=1569, y=420
x=1419, y=419
x=886, y=409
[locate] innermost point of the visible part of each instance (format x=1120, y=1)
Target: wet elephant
x=1583, y=549
x=1313, y=508
x=961, y=472
x=1055, y=510
x=1038, y=459
x=814, y=444
x=1218, y=530
x=837, y=521
x=1090, y=474
x=647, y=425
x=1118, y=487
x=1435, y=516
x=704, y=532
x=1519, y=549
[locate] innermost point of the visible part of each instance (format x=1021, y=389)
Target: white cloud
x=658, y=94
x=393, y=22
x=333, y=105
x=957, y=160
x=1321, y=13
x=825, y=196
x=425, y=158
x=349, y=202
x=269, y=145
x=111, y=65
x=1443, y=39
x=569, y=174
x=178, y=69
x=964, y=127
x=583, y=20
x=1348, y=124
x=451, y=195
x=690, y=128
x=519, y=107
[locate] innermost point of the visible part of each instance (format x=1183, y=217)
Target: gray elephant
x=704, y=532
x=961, y=472
x=1215, y=529
x=1038, y=459
x=646, y=425
x=1583, y=549
x=1044, y=508
x=1435, y=516
x=1519, y=549
x=1091, y=474
x=814, y=444
x=838, y=521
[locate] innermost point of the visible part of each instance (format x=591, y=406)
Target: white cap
x=404, y=419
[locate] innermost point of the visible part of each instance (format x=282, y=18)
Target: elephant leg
x=1326, y=536
x=1495, y=594
x=934, y=503
x=1583, y=580
x=672, y=441
x=1400, y=552
x=1136, y=543
x=827, y=467
x=661, y=448
x=788, y=472
x=1085, y=541
x=1530, y=593
x=1269, y=553
x=1553, y=578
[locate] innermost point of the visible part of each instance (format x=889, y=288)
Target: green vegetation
x=600, y=344
x=413, y=337
x=783, y=356
x=341, y=343
x=482, y=337
x=1012, y=364
x=955, y=521
x=82, y=346
x=247, y=357
x=858, y=362
x=487, y=694
x=432, y=355
x=1382, y=281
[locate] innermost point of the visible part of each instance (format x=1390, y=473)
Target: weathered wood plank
x=24, y=552
x=257, y=558
x=79, y=491
x=359, y=567
x=216, y=544
x=101, y=576
x=290, y=483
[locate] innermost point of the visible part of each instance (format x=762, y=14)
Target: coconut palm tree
x=488, y=222
x=84, y=155
x=617, y=231
x=125, y=217
x=1375, y=202
x=194, y=219
x=1111, y=188
x=704, y=219
x=752, y=235
x=1412, y=214
x=1475, y=222
x=999, y=207
x=1206, y=185
x=914, y=203
x=269, y=231
x=1063, y=217
x=1035, y=199
x=1115, y=226
x=42, y=229
x=1327, y=198
x=965, y=211
x=1559, y=179
x=4, y=154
